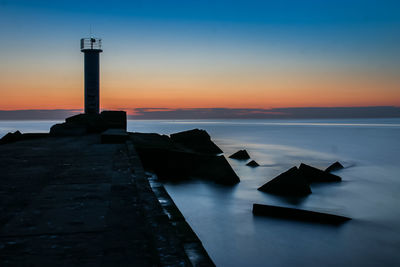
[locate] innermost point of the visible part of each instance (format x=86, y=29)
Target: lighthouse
x=91, y=47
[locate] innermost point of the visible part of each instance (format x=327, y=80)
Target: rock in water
x=289, y=183
x=216, y=168
x=175, y=162
x=298, y=214
x=252, y=164
x=11, y=137
x=241, y=154
x=314, y=175
x=334, y=167
x=196, y=140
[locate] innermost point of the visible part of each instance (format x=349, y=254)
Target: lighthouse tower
x=91, y=47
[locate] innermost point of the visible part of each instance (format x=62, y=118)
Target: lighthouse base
x=82, y=124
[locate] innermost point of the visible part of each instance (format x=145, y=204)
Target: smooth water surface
x=222, y=217
x=369, y=193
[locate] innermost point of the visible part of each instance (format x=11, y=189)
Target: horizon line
x=216, y=107
x=217, y=113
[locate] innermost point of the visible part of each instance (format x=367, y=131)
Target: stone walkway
x=72, y=201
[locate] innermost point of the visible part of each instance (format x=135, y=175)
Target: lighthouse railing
x=90, y=44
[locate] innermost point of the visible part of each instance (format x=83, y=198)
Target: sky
x=202, y=54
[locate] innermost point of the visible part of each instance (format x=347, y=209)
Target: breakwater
x=76, y=201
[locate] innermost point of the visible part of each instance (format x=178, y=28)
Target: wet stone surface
x=77, y=202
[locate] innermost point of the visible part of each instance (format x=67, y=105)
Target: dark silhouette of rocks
x=18, y=136
x=175, y=161
x=215, y=167
x=289, y=183
x=334, y=167
x=90, y=123
x=241, y=154
x=152, y=141
x=11, y=137
x=68, y=129
x=252, y=164
x=114, y=136
x=114, y=119
x=314, y=175
x=296, y=181
x=197, y=140
x=298, y=214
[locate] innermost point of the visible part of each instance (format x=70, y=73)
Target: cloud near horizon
x=218, y=113
x=38, y=114
x=274, y=113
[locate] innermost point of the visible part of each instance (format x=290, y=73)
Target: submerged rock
x=178, y=160
x=241, y=154
x=334, y=167
x=196, y=140
x=298, y=214
x=252, y=164
x=289, y=183
x=314, y=175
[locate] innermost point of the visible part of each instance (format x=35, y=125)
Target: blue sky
x=198, y=40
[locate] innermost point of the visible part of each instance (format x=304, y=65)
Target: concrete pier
x=76, y=202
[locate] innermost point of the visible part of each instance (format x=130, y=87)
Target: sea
x=222, y=215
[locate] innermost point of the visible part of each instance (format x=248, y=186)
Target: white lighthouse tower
x=91, y=47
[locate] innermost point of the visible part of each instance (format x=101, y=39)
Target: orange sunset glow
x=200, y=63
x=231, y=90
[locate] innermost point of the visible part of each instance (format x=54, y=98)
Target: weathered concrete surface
x=114, y=136
x=159, y=210
x=73, y=201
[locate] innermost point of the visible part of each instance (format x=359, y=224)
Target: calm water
x=222, y=218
